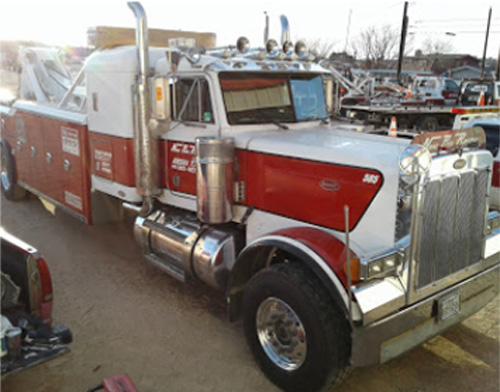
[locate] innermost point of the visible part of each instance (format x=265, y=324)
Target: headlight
x=379, y=266
x=415, y=160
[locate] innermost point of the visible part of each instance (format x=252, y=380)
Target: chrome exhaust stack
x=286, y=40
x=146, y=149
x=285, y=30
x=214, y=179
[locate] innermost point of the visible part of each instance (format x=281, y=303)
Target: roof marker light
x=243, y=45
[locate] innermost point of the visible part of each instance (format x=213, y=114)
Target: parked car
x=27, y=334
x=470, y=91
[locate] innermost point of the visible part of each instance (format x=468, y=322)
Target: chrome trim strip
x=37, y=193
x=19, y=243
x=122, y=192
x=51, y=112
x=7, y=110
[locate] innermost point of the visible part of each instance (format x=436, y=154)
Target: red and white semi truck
x=336, y=248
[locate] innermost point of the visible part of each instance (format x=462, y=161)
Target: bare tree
x=378, y=44
x=321, y=49
x=436, y=46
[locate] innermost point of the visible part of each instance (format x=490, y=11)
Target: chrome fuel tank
x=178, y=243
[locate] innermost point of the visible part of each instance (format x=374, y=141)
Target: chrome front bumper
x=394, y=335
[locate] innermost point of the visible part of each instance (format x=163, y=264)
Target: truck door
x=193, y=116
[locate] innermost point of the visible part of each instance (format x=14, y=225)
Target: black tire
x=428, y=123
x=8, y=179
x=327, y=333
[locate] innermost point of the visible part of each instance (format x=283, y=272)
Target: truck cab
x=436, y=87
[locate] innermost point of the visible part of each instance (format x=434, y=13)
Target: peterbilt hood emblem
x=329, y=185
x=459, y=164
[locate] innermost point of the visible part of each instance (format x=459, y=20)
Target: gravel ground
x=126, y=316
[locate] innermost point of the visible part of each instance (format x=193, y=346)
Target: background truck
x=418, y=118
x=435, y=87
x=335, y=248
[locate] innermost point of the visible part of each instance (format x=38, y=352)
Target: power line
x=453, y=20
x=454, y=31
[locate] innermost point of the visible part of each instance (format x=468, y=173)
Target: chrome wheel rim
x=4, y=174
x=281, y=334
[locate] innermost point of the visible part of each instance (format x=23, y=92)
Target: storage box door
x=33, y=174
x=52, y=159
x=75, y=168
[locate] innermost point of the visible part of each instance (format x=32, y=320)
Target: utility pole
x=266, y=29
x=498, y=66
x=486, y=43
x=404, y=29
x=348, y=28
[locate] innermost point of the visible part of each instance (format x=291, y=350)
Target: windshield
x=253, y=98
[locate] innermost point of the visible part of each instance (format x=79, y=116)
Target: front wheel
x=297, y=334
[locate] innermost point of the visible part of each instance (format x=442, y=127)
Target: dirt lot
x=126, y=316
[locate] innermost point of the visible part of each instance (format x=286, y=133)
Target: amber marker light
x=355, y=270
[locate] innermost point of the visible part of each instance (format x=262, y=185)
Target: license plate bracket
x=448, y=306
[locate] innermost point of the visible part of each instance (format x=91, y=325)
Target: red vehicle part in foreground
x=27, y=303
x=118, y=383
x=40, y=290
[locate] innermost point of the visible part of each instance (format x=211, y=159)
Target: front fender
x=321, y=252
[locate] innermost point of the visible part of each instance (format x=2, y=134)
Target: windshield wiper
x=282, y=126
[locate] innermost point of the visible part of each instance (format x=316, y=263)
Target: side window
x=450, y=85
x=492, y=137
x=192, y=101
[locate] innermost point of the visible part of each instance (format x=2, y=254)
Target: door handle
x=66, y=165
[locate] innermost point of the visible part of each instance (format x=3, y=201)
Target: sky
x=66, y=22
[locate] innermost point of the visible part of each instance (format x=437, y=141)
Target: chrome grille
x=452, y=224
